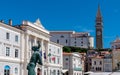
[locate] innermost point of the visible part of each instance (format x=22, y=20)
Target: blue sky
x=77, y=15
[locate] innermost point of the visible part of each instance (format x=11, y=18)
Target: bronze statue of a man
x=35, y=58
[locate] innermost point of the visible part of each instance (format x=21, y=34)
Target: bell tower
x=99, y=29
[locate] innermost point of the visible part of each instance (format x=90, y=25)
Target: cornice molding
x=16, y=46
x=53, y=65
x=10, y=27
x=11, y=60
x=7, y=44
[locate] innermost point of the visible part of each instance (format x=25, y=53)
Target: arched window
x=16, y=71
x=6, y=70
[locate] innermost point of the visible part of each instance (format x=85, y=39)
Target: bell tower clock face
x=98, y=33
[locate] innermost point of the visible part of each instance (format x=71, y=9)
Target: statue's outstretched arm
x=39, y=44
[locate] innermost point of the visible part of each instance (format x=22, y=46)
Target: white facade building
x=15, y=49
x=71, y=38
x=55, y=59
x=34, y=32
x=72, y=63
x=11, y=59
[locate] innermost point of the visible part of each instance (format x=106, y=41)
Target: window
x=75, y=42
x=94, y=62
x=96, y=68
x=58, y=50
x=98, y=23
x=82, y=42
x=66, y=58
x=54, y=72
x=58, y=72
x=7, y=51
x=8, y=36
x=16, y=53
x=58, y=60
x=81, y=38
x=90, y=64
x=16, y=71
x=75, y=38
x=100, y=62
x=112, y=47
x=57, y=41
x=6, y=70
x=100, y=69
x=74, y=59
x=62, y=36
x=16, y=38
x=66, y=41
x=44, y=72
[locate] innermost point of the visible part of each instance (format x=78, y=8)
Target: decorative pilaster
x=26, y=49
x=42, y=57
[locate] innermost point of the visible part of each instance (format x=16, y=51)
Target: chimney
x=10, y=22
x=2, y=21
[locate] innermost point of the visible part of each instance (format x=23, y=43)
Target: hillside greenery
x=74, y=49
x=81, y=50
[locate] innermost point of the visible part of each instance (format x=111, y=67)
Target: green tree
x=66, y=49
x=74, y=49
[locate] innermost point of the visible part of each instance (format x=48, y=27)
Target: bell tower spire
x=98, y=12
x=99, y=29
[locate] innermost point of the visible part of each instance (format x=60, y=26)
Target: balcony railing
x=77, y=69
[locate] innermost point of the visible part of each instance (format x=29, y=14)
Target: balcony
x=77, y=69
